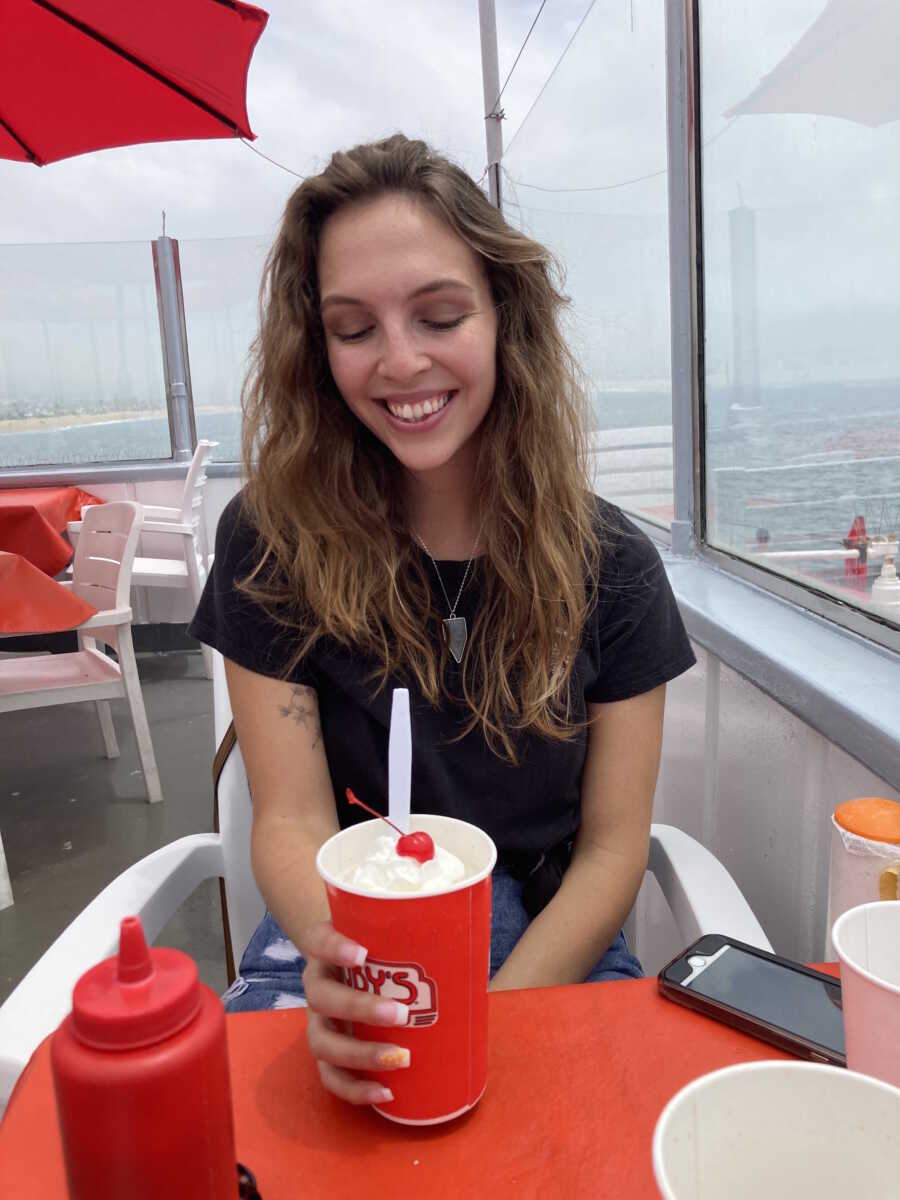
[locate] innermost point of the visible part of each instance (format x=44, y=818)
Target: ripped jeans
x=271, y=970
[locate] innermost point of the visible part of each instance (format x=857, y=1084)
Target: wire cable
x=609, y=187
x=605, y=187
x=516, y=63
x=273, y=161
x=553, y=72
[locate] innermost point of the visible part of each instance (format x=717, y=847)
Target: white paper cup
x=867, y=941
x=779, y=1131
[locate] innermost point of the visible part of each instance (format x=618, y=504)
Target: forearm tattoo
x=303, y=710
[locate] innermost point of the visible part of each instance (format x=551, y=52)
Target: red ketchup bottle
x=140, y=1070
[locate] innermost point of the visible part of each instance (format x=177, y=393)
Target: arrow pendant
x=455, y=635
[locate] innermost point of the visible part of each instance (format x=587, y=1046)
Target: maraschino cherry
x=419, y=846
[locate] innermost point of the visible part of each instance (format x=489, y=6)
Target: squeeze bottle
x=140, y=1071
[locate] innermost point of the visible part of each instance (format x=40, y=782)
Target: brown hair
x=326, y=496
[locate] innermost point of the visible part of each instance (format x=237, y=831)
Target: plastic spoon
x=399, y=761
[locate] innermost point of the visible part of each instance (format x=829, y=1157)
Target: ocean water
x=799, y=462
x=105, y=441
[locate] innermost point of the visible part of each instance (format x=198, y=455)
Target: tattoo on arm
x=303, y=711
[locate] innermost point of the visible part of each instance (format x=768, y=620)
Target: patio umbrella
x=81, y=75
x=845, y=65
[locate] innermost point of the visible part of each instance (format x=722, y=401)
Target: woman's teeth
x=418, y=411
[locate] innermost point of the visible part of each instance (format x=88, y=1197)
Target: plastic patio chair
x=187, y=524
x=702, y=896
x=102, y=576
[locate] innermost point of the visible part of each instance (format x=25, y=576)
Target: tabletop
x=33, y=520
x=577, y=1079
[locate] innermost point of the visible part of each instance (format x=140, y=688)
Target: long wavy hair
x=336, y=558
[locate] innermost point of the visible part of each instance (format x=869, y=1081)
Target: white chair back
x=195, y=481
x=196, y=551
x=244, y=906
x=104, y=555
x=192, y=496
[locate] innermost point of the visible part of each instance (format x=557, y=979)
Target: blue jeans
x=272, y=967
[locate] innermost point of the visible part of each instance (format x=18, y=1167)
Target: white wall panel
x=770, y=788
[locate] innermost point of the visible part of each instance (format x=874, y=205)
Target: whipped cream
x=385, y=872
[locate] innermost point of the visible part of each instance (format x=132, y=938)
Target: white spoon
x=399, y=760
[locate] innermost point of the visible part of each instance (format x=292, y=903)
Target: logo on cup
x=405, y=982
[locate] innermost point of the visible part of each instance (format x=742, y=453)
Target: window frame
x=686, y=284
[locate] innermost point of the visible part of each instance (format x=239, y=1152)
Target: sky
x=326, y=74
x=584, y=109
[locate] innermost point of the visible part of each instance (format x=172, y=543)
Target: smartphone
x=783, y=1002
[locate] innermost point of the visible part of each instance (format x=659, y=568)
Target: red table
x=32, y=521
x=578, y=1077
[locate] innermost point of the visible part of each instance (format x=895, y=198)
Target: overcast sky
x=331, y=73
x=326, y=74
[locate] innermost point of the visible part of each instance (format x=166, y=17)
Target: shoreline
x=67, y=420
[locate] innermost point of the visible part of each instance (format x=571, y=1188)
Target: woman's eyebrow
x=442, y=285
x=436, y=285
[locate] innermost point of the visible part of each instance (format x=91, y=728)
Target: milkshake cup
x=429, y=951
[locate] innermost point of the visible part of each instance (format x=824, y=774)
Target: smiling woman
x=418, y=514
x=413, y=353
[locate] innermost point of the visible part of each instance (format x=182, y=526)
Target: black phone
x=783, y=1002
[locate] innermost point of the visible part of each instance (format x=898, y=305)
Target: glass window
x=220, y=281
x=801, y=256
x=585, y=173
x=81, y=375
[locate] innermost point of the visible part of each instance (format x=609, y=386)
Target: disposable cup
x=430, y=952
x=867, y=941
x=779, y=1131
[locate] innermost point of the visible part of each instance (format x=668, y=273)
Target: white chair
x=702, y=895
x=102, y=577
x=6, y=896
x=188, y=525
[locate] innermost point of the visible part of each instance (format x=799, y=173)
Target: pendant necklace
x=456, y=632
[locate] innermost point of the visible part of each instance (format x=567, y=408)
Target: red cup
x=430, y=952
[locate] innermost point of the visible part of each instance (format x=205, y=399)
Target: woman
x=418, y=513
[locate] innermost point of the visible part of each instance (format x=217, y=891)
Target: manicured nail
x=389, y=1012
x=395, y=1058
x=353, y=956
x=380, y=1095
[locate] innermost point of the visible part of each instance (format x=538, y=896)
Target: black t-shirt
x=634, y=640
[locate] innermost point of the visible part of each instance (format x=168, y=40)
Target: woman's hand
x=332, y=1004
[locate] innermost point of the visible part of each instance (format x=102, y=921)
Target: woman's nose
x=401, y=359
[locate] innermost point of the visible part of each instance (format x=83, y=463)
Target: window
x=81, y=377
x=220, y=281
x=586, y=175
x=801, y=260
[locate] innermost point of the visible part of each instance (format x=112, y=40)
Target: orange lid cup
x=872, y=817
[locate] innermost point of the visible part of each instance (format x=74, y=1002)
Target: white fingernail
x=391, y=1012
x=354, y=956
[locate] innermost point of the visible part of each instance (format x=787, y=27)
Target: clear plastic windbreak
x=220, y=280
x=800, y=116
x=81, y=373
x=585, y=173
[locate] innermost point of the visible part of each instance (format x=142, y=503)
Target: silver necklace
x=456, y=631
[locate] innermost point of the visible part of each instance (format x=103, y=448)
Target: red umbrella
x=81, y=75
